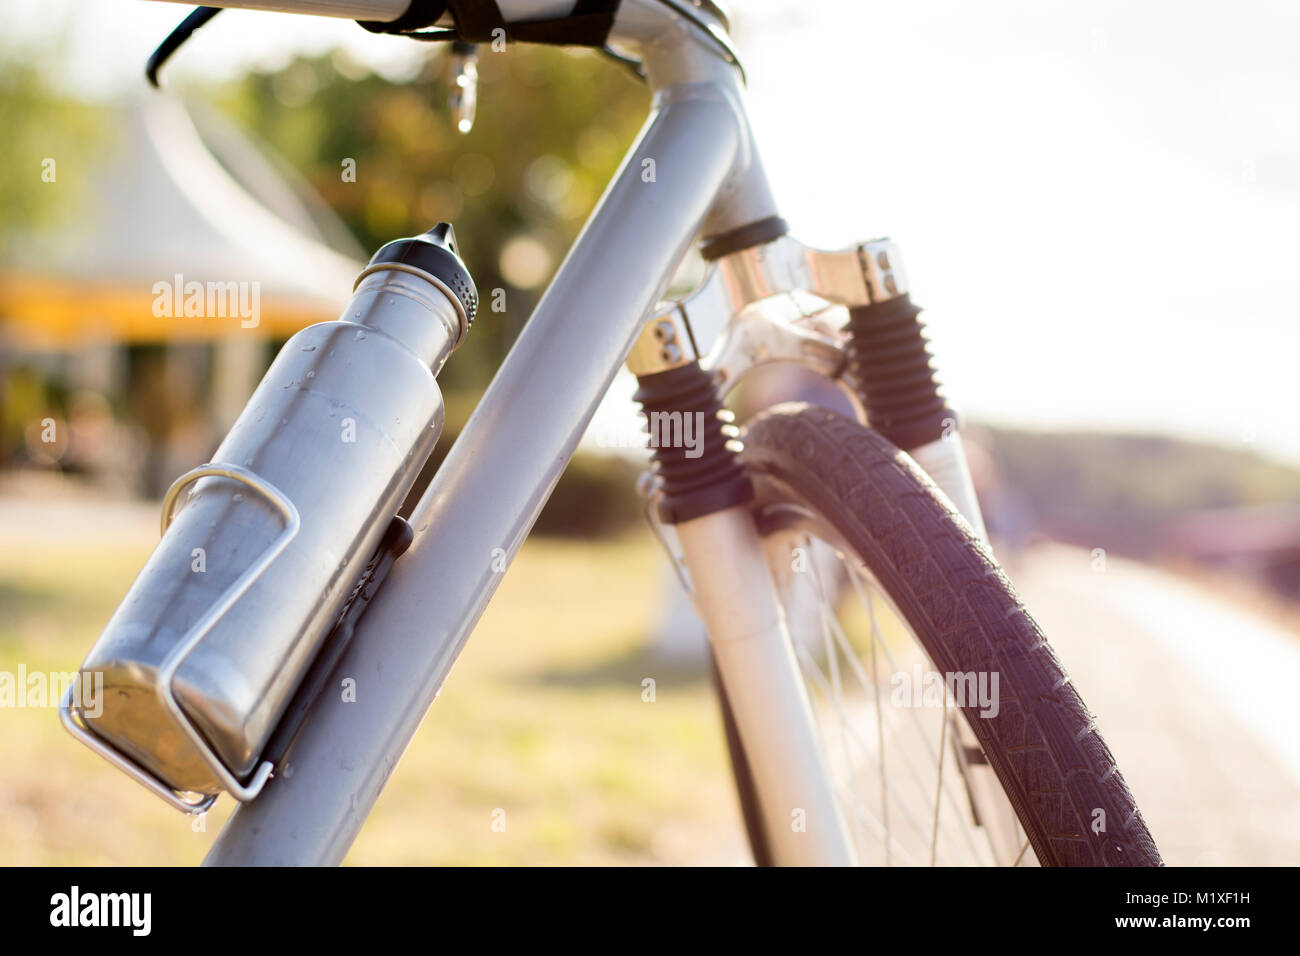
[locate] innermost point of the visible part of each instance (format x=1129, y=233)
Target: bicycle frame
x=693, y=170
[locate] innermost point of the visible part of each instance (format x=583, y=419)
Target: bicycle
x=783, y=531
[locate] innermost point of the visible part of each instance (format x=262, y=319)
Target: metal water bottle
x=262, y=547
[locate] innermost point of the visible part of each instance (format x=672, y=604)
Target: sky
x=1097, y=202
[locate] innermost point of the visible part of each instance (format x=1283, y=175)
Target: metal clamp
x=859, y=274
x=172, y=662
x=68, y=714
x=665, y=343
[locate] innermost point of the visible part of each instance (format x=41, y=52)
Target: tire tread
x=1043, y=744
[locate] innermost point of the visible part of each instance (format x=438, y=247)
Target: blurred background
x=1099, y=204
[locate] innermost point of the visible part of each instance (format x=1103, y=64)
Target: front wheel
x=900, y=618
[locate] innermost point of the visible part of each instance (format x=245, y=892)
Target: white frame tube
x=735, y=594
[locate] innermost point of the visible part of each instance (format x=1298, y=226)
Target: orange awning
x=39, y=312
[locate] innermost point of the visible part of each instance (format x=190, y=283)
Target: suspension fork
x=703, y=492
x=881, y=358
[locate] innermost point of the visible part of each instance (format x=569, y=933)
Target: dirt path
x=1195, y=697
x=74, y=519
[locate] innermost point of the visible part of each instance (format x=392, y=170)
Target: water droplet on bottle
x=309, y=348
x=311, y=374
x=238, y=496
x=361, y=334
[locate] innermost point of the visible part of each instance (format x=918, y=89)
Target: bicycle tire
x=1043, y=743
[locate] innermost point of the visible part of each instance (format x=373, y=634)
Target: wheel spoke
x=938, y=791
x=814, y=672
x=831, y=682
x=870, y=685
x=870, y=587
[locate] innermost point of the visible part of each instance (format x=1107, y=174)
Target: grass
x=541, y=726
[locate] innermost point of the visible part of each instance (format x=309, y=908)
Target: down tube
x=490, y=489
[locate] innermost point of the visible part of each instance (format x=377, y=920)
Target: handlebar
x=386, y=11
x=593, y=23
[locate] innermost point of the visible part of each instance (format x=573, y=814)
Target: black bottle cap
x=436, y=253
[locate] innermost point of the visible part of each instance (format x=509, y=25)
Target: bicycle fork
x=704, y=496
x=754, y=655
x=880, y=358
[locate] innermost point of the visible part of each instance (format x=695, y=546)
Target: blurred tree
x=1123, y=491
x=46, y=139
x=43, y=177
x=551, y=128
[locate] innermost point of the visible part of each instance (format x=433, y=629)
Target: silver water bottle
x=262, y=547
